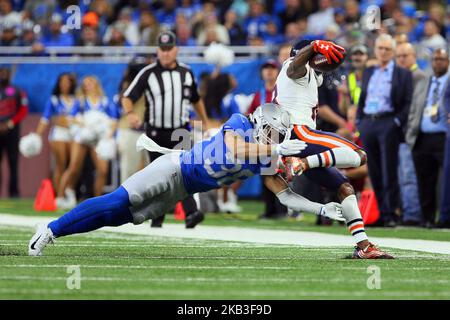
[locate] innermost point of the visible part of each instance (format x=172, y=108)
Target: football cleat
x=39, y=241
x=370, y=252
x=194, y=219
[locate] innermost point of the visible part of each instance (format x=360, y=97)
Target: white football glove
x=289, y=147
x=333, y=211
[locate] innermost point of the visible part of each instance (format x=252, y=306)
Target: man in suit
x=405, y=57
x=444, y=217
x=381, y=117
x=427, y=127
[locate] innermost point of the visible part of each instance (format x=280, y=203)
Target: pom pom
x=30, y=145
x=106, y=149
x=218, y=54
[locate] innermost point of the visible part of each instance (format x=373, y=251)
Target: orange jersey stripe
x=356, y=226
x=322, y=143
x=343, y=141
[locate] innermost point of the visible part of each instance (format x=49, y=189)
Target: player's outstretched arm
x=297, y=68
x=296, y=202
x=247, y=150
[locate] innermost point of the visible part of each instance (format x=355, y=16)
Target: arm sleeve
x=195, y=97
x=137, y=87
x=237, y=122
x=296, y=202
x=23, y=109
x=113, y=110
x=402, y=114
x=48, y=111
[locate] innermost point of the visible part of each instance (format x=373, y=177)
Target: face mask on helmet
x=270, y=127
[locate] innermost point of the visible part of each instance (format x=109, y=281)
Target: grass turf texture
x=115, y=266
x=249, y=218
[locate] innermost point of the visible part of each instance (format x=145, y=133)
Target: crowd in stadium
x=41, y=23
x=406, y=184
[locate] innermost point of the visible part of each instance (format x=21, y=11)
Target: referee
x=169, y=88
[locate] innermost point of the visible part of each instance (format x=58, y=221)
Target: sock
x=337, y=157
x=108, y=210
x=352, y=216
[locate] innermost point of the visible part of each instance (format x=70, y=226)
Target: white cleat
x=39, y=241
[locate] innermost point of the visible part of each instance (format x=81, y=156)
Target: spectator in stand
x=167, y=14
x=427, y=127
x=292, y=32
x=212, y=31
x=129, y=28
x=29, y=33
x=318, y=22
x=256, y=22
x=183, y=33
x=433, y=39
x=13, y=109
x=104, y=12
x=8, y=35
x=89, y=37
x=235, y=30
x=57, y=35
x=406, y=58
x=381, y=116
x=444, y=216
x=294, y=10
x=188, y=8
x=8, y=15
x=39, y=11
x=117, y=37
x=352, y=14
x=284, y=53
x=149, y=29
x=272, y=36
x=436, y=13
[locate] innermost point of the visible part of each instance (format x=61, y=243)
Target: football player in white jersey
x=296, y=92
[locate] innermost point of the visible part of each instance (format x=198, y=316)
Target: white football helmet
x=271, y=124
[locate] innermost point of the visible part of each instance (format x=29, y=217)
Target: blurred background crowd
x=412, y=186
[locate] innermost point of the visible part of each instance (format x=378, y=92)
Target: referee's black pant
x=163, y=137
x=9, y=141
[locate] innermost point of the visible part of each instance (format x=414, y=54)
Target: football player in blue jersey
x=243, y=147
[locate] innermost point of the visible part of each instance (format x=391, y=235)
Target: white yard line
x=249, y=235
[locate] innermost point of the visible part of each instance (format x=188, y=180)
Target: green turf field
x=119, y=266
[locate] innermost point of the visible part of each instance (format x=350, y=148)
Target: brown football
x=319, y=63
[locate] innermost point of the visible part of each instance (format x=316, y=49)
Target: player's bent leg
x=325, y=149
x=108, y=210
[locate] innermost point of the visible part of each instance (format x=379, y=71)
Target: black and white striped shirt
x=168, y=94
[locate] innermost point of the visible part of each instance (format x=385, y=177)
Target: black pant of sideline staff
x=163, y=137
x=428, y=156
x=9, y=142
x=381, y=139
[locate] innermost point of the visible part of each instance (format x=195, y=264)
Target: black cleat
x=194, y=219
x=157, y=222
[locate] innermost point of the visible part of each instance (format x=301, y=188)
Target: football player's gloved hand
x=332, y=210
x=289, y=147
x=329, y=49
